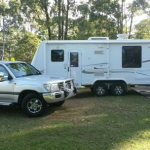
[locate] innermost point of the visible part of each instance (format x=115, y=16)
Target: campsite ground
x=84, y=122
x=143, y=90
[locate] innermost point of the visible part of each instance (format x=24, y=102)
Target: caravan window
x=131, y=56
x=57, y=55
x=73, y=59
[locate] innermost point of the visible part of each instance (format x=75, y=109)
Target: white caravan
x=98, y=63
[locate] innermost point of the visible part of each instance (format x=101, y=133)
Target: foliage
x=103, y=15
x=36, y=14
x=82, y=29
x=143, y=30
x=136, y=7
x=26, y=47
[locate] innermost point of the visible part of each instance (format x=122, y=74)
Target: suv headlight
x=51, y=87
x=54, y=88
x=47, y=87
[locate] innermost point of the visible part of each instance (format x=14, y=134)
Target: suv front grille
x=68, y=83
x=61, y=86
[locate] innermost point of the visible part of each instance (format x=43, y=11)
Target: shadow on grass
x=13, y=111
x=116, y=126
x=84, y=93
x=107, y=132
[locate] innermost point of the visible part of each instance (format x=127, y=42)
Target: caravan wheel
x=118, y=89
x=100, y=89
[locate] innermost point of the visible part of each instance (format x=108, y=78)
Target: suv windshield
x=22, y=69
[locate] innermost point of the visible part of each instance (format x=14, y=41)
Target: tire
x=100, y=89
x=57, y=104
x=118, y=89
x=33, y=105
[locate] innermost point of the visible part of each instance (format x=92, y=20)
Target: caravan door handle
x=65, y=66
x=68, y=69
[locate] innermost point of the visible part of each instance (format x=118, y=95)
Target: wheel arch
x=25, y=93
x=109, y=82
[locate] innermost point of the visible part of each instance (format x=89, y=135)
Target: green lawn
x=82, y=123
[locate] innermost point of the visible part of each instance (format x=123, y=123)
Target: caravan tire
x=100, y=89
x=118, y=89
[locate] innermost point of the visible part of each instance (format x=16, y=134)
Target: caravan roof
x=127, y=41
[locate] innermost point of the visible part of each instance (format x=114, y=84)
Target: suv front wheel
x=33, y=105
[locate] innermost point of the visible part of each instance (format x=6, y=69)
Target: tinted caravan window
x=57, y=55
x=73, y=59
x=131, y=56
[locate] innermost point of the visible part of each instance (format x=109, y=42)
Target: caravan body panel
x=97, y=60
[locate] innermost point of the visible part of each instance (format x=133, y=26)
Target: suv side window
x=3, y=70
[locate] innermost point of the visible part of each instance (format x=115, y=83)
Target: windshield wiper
x=27, y=75
x=38, y=73
x=30, y=74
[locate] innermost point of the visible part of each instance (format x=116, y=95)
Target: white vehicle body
x=100, y=60
x=22, y=84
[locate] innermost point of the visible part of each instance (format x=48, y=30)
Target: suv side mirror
x=1, y=77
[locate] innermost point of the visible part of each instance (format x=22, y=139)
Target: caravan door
x=58, y=65
x=75, y=66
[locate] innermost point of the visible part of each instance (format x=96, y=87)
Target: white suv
x=23, y=84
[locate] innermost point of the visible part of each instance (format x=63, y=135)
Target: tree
x=104, y=15
x=26, y=47
x=11, y=17
x=143, y=30
x=135, y=7
x=70, y=7
x=40, y=12
x=81, y=27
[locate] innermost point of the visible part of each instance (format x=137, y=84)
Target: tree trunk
x=59, y=25
x=49, y=33
x=118, y=22
x=62, y=25
x=66, y=25
x=121, y=21
x=131, y=22
x=47, y=20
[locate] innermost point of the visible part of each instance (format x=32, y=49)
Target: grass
x=82, y=123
